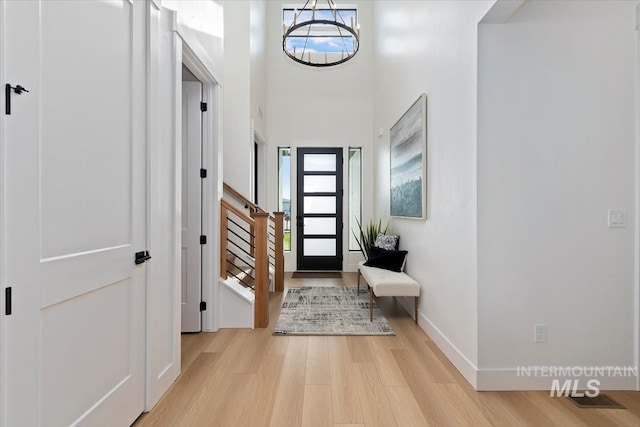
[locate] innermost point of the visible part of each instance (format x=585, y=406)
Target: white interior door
x=191, y=206
x=165, y=200
x=75, y=192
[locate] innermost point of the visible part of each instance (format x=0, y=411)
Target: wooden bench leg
x=370, y=304
x=416, y=308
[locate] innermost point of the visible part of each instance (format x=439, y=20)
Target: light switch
x=617, y=218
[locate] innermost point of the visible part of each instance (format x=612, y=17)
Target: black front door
x=319, y=215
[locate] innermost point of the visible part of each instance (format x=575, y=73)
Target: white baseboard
x=455, y=356
x=510, y=379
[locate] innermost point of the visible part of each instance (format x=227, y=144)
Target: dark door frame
x=319, y=262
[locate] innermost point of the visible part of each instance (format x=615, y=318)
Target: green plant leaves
x=368, y=234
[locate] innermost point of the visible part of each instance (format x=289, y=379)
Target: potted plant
x=368, y=235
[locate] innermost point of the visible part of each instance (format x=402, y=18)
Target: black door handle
x=141, y=257
x=7, y=96
x=7, y=301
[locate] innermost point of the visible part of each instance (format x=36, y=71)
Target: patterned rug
x=314, y=310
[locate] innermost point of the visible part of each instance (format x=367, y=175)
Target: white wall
x=555, y=151
x=431, y=47
x=258, y=76
x=245, y=89
x=237, y=139
x=320, y=107
x=258, y=62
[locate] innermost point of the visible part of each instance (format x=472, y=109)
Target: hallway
x=241, y=377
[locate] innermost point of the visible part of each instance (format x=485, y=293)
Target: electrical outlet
x=617, y=218
x=539, y=333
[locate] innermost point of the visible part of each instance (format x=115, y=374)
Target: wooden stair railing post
x=279, y=251
x=261, y=308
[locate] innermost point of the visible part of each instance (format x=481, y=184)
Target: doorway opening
x=193, y=172
x=259, y=178
x=256, y=170
x=202, y=66
x=319, y=209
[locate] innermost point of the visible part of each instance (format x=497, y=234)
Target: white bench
x=386, y=283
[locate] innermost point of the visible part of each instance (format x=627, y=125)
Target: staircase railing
x=276, y=220
x=238, y=196
x=250, y=243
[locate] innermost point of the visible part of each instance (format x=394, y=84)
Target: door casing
x=208, y=71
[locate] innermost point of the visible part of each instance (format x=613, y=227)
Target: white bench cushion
x=389, y=283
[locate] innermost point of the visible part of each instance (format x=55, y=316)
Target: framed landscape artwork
x=408, y=162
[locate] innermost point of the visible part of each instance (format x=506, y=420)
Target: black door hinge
x=203, y=240
x=203, y=173
x=203, y=305
x=142, y=257
x=7, y=301
x=203, y=106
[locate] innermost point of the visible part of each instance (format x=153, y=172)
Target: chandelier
x=320, y=36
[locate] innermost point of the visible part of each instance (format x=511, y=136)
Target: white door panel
x=99, y=365
x=163, y=304
x=192, y=205
x=88, y=67
x=90, y=271
x=75, y=342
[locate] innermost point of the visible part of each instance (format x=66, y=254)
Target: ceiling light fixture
x=320, y=37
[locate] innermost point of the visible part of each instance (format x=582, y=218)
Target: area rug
x=337, y=310
x=316, y=275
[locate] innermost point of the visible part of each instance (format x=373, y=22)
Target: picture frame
x=408, y=163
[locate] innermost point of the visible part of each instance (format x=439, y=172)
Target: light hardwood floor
x=240, y=377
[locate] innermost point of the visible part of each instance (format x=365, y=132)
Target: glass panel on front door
x=320, y=226
x=319, y=211
x=319, y=205
x=319, y=183
x=320, y=162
